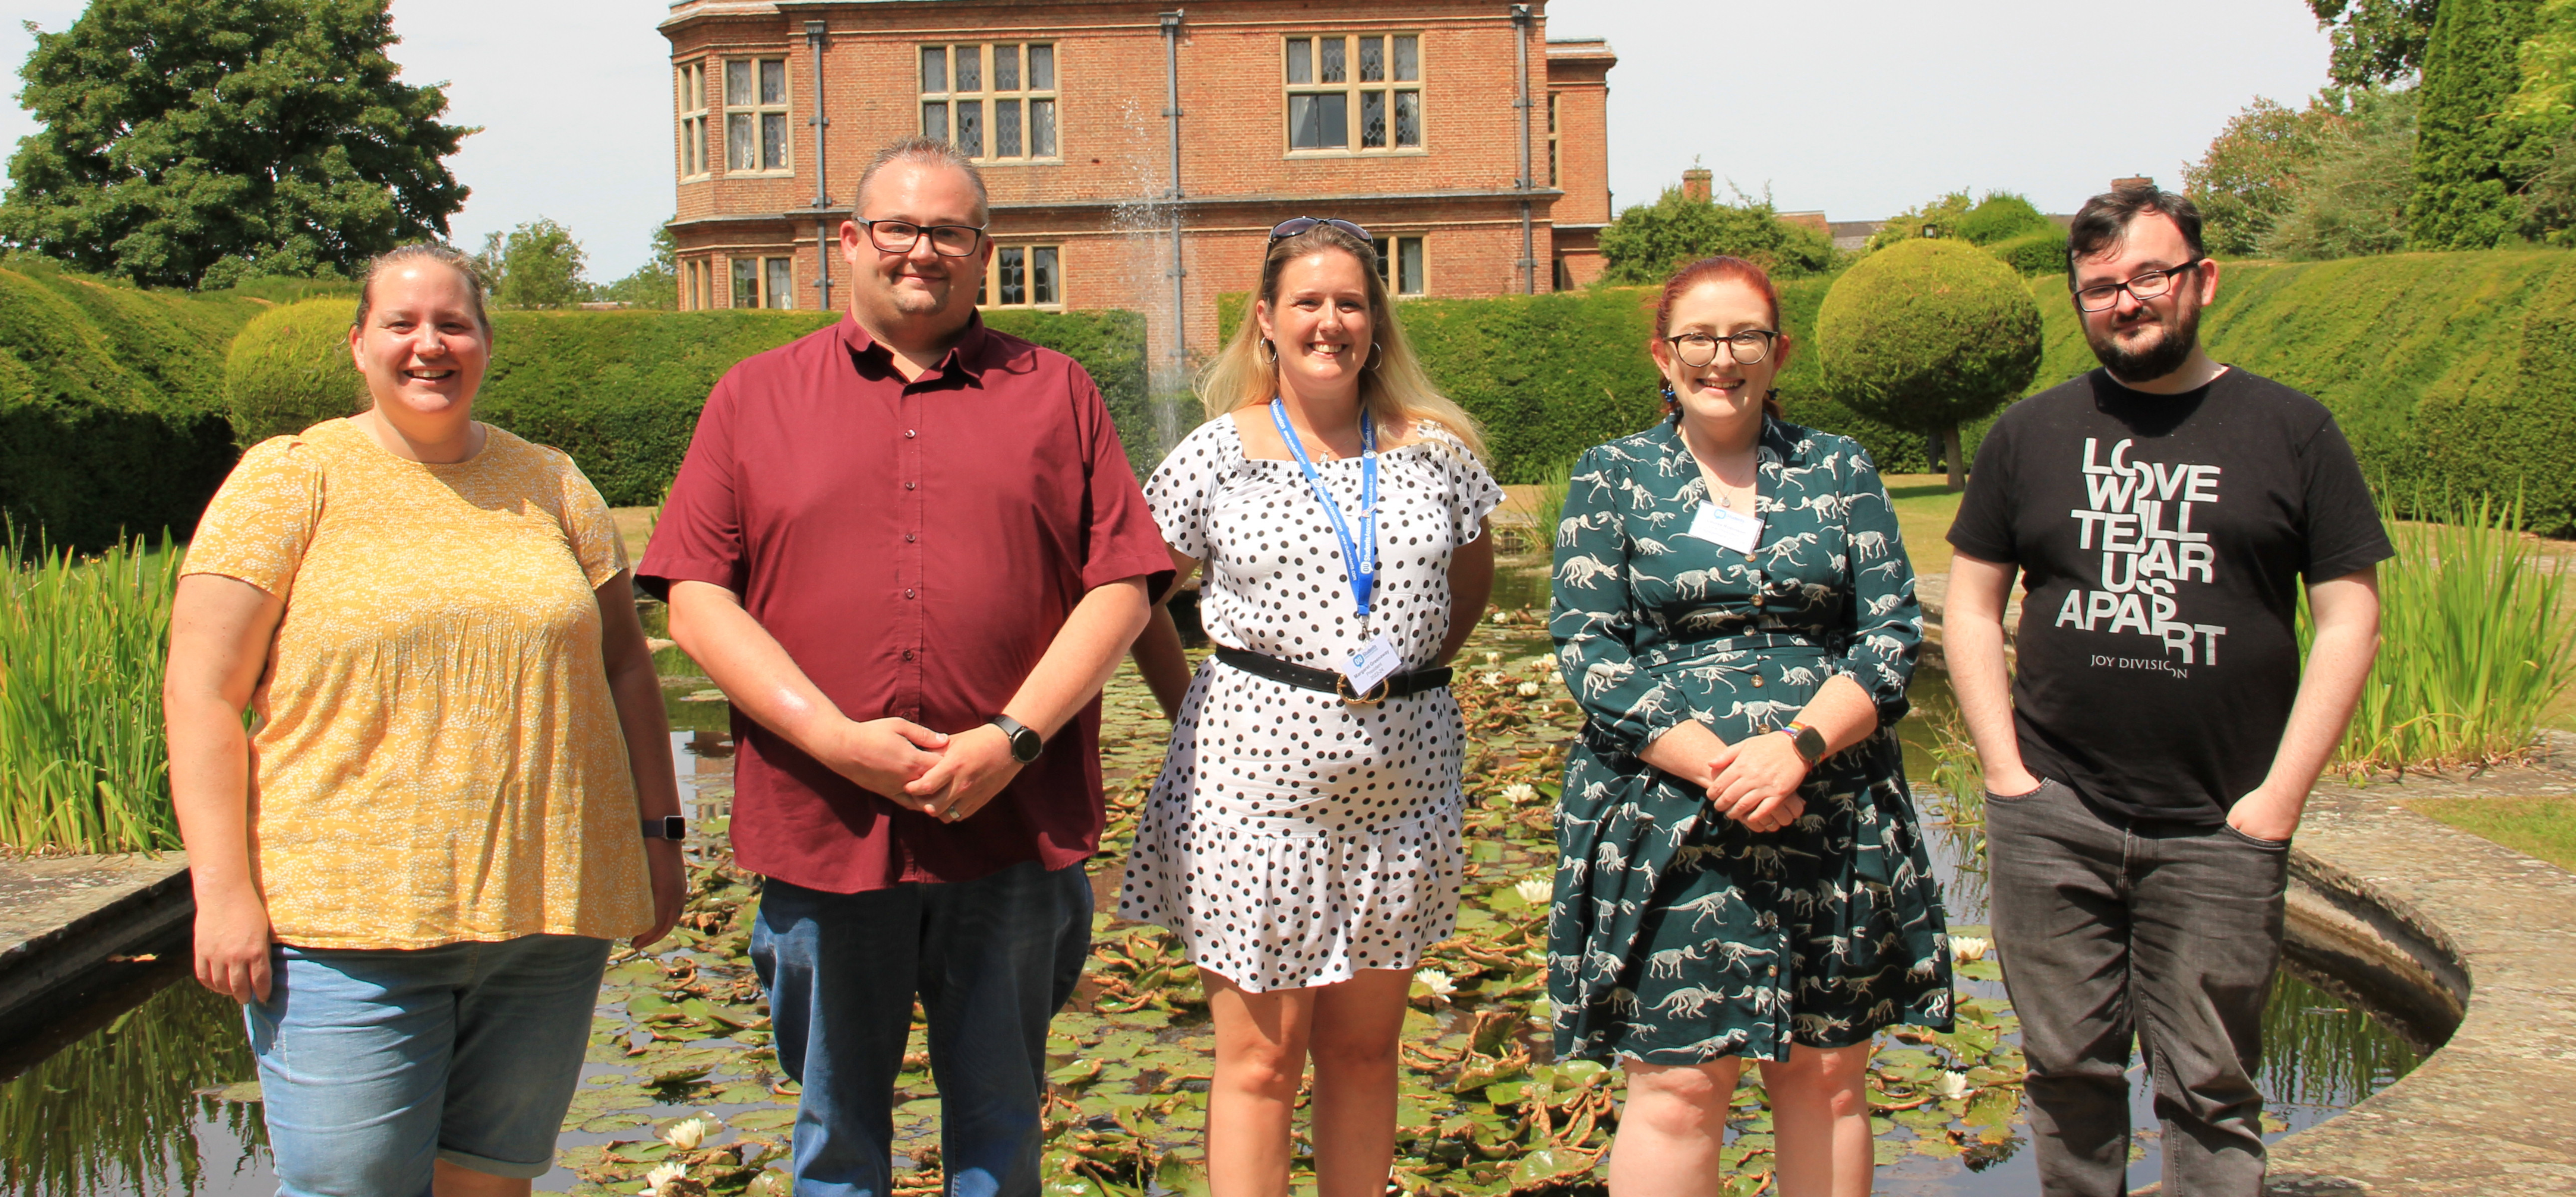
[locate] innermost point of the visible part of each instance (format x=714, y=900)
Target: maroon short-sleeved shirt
x=915, y=547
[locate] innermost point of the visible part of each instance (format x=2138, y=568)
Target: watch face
x=1025, y=745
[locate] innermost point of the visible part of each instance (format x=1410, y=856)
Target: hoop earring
x=1267, y=352
x=1375, y=355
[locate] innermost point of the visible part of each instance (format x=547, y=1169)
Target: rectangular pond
x=147, y=1095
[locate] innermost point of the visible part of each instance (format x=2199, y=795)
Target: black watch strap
x=668, y=827
x=1025, y=744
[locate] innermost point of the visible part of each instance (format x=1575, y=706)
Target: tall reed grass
x=2476, y=641
x=84, y=761
x=1550, y=507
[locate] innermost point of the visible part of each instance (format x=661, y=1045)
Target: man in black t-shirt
x=2147, y=761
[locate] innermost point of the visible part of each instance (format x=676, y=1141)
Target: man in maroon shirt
x=911, y=551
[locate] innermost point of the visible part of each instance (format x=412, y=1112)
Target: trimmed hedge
x=289, y=370
x=111, y=404
x=2450, y=372
x=619, y=391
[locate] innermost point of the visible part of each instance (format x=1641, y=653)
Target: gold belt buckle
x=1376, y=695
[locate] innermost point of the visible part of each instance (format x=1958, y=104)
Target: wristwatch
x=669, y=827
x=1025, y=744
x=1809, y=742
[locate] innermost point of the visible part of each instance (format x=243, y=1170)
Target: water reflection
x=135, y=1106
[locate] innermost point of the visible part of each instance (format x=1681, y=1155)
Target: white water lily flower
x=1950, y=1084
x=1436, y=981
x=1969, y=947
x=1519, y=793
x=1528, y=689
x=1535, y=890
x=1493, y=658
x=660, y=1176
x=1493, y=679
x=686, y=1134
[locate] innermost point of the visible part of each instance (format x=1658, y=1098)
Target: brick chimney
x=1695, y=184
x=2139, y=181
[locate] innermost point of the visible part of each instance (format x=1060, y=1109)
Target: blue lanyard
x=1360, y=557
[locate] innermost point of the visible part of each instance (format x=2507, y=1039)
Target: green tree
x=1649, y=241
x=656, y=283
x=183, y=133
x=1937, y=218
x=2375, y=41
x=536, y=265
x=2465, y=149
x=1928, y=335
x=2252, y=172
x=2350, y=198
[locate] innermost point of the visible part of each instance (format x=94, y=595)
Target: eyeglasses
x=2146, y=285
x=1290, y=228
x=1747, y=347
x=946, y=240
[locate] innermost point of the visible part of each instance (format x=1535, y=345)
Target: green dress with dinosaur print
x=1678, y=936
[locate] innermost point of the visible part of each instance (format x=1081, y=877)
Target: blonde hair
x=1394, y=390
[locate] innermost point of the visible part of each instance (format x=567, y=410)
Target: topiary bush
x=1928, y=335
x=111, y=409
x=2042, y=251
x=290, y=369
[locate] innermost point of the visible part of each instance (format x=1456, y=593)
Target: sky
x=1860, y=108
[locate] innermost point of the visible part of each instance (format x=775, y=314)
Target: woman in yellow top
x=410, y=870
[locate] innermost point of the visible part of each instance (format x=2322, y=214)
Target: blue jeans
x=992, y=960
x=375, y=1064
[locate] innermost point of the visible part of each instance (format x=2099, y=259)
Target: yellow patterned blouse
x=437, y=757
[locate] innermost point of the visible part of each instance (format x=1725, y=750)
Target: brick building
x=1405, y=116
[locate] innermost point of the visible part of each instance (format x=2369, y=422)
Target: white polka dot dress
x=1291, y=839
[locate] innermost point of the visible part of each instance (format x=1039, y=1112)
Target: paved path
x=2487, y=1115
x=62, y=917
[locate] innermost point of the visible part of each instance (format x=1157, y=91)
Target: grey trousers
x=2111, y=929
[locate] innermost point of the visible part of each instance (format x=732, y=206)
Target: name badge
x=1371, y=664
x=1725, y=528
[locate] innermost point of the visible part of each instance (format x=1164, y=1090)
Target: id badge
x=1726, y=529
x=1371, y=664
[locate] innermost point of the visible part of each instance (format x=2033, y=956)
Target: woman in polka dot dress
x=1303, y=836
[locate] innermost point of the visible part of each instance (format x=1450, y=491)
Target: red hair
x=1721, y=269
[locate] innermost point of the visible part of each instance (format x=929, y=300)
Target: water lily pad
x=1549, y=1165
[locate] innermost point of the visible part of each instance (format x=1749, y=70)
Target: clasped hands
x=946, y=776
x=1755, y=781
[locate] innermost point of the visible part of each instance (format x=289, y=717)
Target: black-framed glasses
x=2145, y=284
x=946, y=240
x=1295, y=225
x=1747, y=348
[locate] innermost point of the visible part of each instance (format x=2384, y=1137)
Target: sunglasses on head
x=1290, y=228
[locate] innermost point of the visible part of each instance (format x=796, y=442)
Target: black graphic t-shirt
x=2162, y=540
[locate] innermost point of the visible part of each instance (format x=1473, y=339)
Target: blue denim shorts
x=373, y=1065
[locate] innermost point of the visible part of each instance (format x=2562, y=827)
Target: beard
x=2161, y=353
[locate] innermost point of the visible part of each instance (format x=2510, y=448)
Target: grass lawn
x=2542, y=827
x=1924, y=505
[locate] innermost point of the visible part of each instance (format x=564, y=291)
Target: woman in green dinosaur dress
x=1742, y=876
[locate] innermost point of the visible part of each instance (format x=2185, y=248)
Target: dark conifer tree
x=2465, y=153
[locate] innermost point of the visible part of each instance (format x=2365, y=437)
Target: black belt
x=1395, y=685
